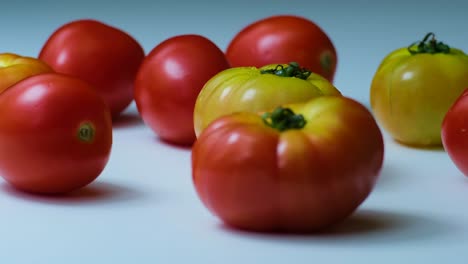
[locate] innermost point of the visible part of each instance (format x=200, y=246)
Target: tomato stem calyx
x=283, y=119
x=86, y=132
x=292, y=70
x=431, y=46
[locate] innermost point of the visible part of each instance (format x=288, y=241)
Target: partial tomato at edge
x=455, y=133
x=14, y=68
x=169, y=81
x=281, y=39
x=55, y=134
x=105, y=56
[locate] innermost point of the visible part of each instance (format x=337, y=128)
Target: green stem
x=292, y=70
x=283, y=119
x=429, y=44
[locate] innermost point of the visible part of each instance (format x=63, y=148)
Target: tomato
x=14, y=68
x=168, y=83
x=281, y=39
x=302, y=167
x=55, y=133
x=454, y=132
x=414, y=87
x=105, y=56
x=257, y=89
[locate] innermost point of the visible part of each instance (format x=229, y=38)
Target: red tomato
x=302, y=170
x=282, y=39
x=14, y=68
x=169, y=81
x=104, y=56
x=55, y=133
x=455, y=132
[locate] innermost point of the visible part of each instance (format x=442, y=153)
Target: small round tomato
x=281, y=39
x=414, y=87
x=106, y=57
x=168, y=83
x=257, y=89
x=302, y=167
x=14, y=68
x=55, y=133
x=455, y=133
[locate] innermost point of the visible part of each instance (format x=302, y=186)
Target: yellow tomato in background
x=255, y=89
x=414, y=87
x=14, y=68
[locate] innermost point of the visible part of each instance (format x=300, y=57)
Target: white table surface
x=143, y=208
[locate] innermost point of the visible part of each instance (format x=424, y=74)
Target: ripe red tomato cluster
x=298, y=167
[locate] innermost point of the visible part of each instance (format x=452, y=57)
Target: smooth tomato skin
x=40, y=119
x=169, y=81
x=454, y=133
x=105, y=56
x=247, y=89
x=14, y=68
x=254, y=177
x=410, y=94
x=282, y=39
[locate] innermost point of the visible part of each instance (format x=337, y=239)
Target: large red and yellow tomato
x=55, y=133
x=105, y=56
x=169, y=81
x=301, y=167
x=414, y=87
x=14, y=68
x=257, y=89
x=281, y=39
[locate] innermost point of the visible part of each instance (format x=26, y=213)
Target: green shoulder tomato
x=414, y=87
x=257, y=89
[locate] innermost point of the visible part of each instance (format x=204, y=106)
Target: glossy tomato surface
x=282, y=39
x=55, y=133
x=14, y=68
x=256, y=177
x=412, y=91
x=169, y=81
x=455, y=133
x=256, y=89
x=105, y=56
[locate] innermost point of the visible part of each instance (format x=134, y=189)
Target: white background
x=143, y=208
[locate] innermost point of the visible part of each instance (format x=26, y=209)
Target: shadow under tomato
x=439, y=148
x=171, y=144
x=363, y=226
x=127, y=120
x=95, y=192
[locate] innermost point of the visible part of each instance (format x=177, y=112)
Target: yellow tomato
x=14, y=68
x=254, y=89
x=414, y=87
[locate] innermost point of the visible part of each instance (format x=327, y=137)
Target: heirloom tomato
x=281, y=39
x=455, y=133
x=168, y=83
x=106, y=57
x=14, y=68
x=55, y=134
x=414, y=87
x=257, y=89
x=301, y=167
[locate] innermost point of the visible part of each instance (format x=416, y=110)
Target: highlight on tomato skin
x=59, y=138
x=301, y=167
